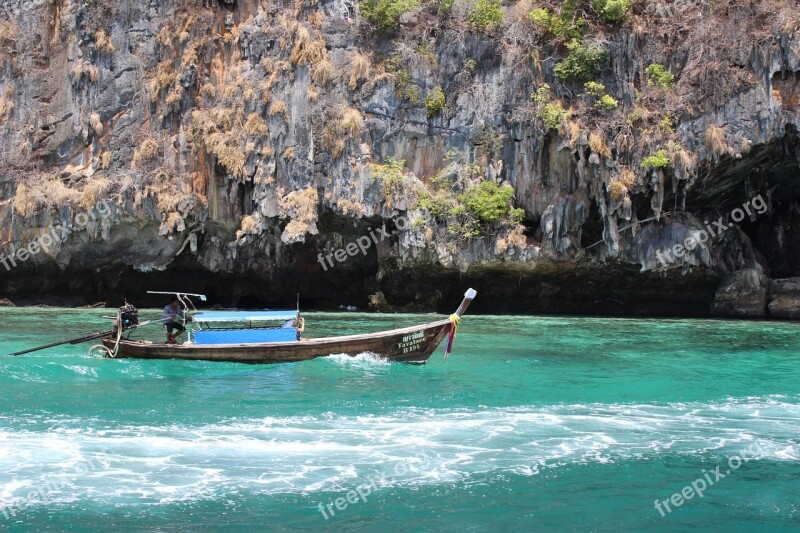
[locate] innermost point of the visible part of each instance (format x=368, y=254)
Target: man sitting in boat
x=299, y=325
x=174, y=318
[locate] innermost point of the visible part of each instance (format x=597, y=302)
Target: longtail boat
x=248, y=344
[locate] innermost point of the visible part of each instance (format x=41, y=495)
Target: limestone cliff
x=240, y=143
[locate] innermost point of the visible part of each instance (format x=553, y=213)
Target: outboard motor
x=128, y=315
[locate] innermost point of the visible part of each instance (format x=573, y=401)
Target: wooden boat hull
x=412, y=345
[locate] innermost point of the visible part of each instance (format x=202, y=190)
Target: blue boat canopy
x=243, y=316
x=244, y=336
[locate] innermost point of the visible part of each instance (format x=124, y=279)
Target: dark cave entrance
x=770, y=173
x=592, y=229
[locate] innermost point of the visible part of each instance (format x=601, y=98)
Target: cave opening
x=592, y=228
x=531, y=229
x=767, y=173
x=776, y=231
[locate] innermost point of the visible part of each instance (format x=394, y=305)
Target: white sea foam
x=24, y=374
x=362, y=358
x=78, y=369
x=328, y=452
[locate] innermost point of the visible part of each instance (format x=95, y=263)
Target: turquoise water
x=546, y=424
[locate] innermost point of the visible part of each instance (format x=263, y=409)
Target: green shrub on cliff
x=551, y=113
x=404, y=84
x=474, y=210
x=486, y=14
x=390, y=174
x=445, y=5
x=606, y=102
x=386, y=13
x=594, y=89
x=563, y=25
x=434, y=102
x=437, y=201
x=470, y=65
x=666, y=125
x=659, y=159
x=602, y=100
x=583, y=62
x=658, y=75
x=488, y=201
x=612, y=10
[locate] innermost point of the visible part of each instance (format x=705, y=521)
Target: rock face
x=742, y=294
x=784, y=298
x=235, y=147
